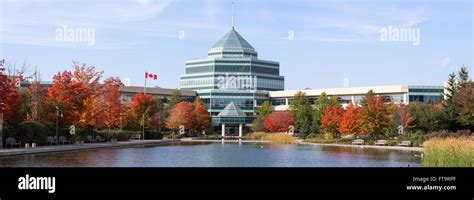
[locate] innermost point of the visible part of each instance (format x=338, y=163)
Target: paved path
x=220, y=140
x=419, y=149
x=77, y=147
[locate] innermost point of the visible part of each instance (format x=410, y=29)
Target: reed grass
x=449, y=152
x=280, y=138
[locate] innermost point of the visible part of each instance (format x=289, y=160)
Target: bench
x=63, y=140
x=90, y=139
x=358, y=142
x=50, y=140
x=381, y=142
x=405, y=143
x=135, y=137
x=12, y=142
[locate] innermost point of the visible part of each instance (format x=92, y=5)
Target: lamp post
x=57, y=123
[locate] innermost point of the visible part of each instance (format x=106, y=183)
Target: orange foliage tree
x=203, y=119
x=74, y=93
x=181, y=114
x=143, y=107
x=351, y=120
x=376, y=116
x=331, y=118
x=279, y=121
x=112, y=103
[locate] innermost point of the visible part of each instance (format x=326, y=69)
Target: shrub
x=449, y=152
x=279, y=121
x=31, y=132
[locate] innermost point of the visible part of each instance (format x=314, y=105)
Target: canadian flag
x=150, y=75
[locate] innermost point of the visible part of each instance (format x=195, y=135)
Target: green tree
x=174, y=99
x=449, y=103
x=262, y=113
x=427, y=117
x=370, y=94
x=463, y=75
x=320, y=106
x=302, y=110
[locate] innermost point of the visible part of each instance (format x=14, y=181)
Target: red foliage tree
x=279, y=121
x=181, y=114
x=404, y=116
x=69, y=93
x=9, y=99
x=331, y=118
x=143, y=106
x=112, y=103
x=351, y=120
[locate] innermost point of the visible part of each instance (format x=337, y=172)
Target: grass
x=449, y=152
x=280, y=138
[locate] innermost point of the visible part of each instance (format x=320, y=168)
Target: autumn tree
x=279, y=121
x=331, y=118
x=351, y=120
x=112, y=103
x=376, y=116
x=465, y=105
x=182, y=114
x=38, y=101
x=143, y=106
x=202, y=118
x=9, y=98
x=69, y=94
x=404, y=117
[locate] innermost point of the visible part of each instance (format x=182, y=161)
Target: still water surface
x=220, y=155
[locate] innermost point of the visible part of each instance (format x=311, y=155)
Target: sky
x=319, y=43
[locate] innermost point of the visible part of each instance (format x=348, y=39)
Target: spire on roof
x=232, y=15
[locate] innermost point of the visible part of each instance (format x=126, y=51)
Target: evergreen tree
x=449, y=103
x=463, y=75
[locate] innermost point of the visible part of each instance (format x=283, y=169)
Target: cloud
x=446, y=61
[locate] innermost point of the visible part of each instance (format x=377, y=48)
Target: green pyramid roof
x=233, y=41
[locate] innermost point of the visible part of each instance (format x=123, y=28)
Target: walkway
x=419, y=149
x=78, y=147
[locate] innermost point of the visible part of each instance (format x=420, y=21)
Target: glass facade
x=425, y=94
x=232, y=72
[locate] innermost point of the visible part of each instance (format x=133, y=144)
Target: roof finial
x=232, y=15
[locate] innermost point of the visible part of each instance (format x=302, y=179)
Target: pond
x=200, y=154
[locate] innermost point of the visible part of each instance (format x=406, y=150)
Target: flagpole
x=144, y=87
x=143, y=117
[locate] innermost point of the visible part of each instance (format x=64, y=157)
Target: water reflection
x=219, y=154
